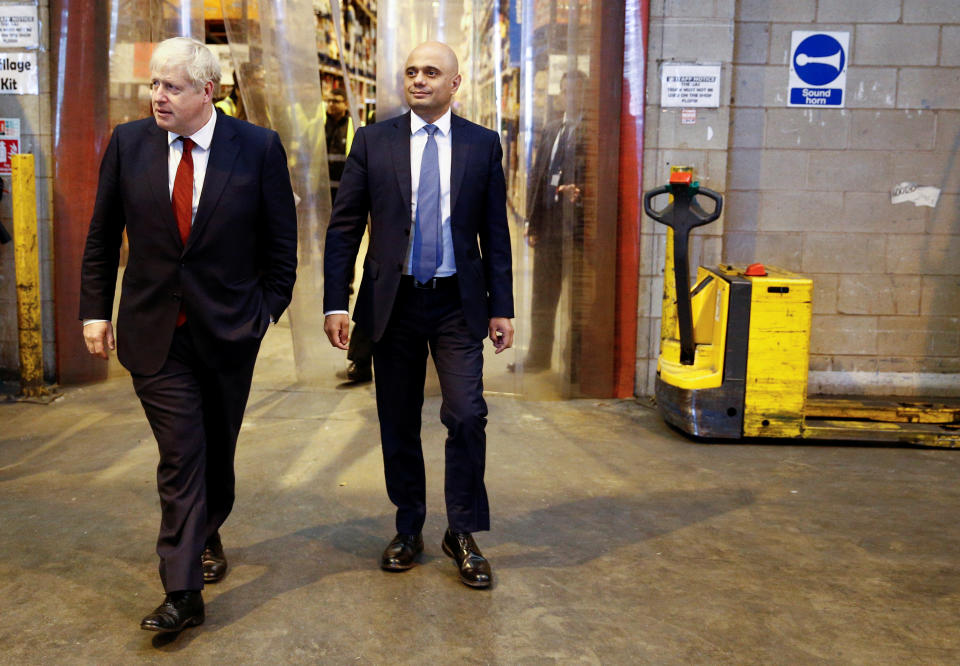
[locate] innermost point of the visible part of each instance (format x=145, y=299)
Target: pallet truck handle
x=649, y=196
x=682, y=215
x=703, y=217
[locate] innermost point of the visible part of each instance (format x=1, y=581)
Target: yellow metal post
x=26, y=252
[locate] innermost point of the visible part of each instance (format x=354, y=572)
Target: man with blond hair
x=207, y=206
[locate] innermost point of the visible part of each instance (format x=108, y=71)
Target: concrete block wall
x=809, y=189
x=36, y=136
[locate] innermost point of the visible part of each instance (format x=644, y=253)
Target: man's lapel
x=156, y=158
x=223, y=154
x=400, y=152
x=460, y=148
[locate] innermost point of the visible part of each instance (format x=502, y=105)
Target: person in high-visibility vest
x=338, y=128
x=232, y=105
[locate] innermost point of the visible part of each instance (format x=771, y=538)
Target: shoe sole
x=396, y=568
x=468, y=583
x=192, y=622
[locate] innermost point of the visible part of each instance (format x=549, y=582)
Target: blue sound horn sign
x=819, y=59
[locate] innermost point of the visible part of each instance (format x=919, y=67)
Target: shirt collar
x=443, y=123
x=203, y=137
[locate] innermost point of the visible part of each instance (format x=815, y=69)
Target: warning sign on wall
x=9, y=142
x=18, y=26
x=689, y=85
x=818, y=68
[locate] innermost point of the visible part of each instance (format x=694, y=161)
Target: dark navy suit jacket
x=376, y=182
x=238, y=267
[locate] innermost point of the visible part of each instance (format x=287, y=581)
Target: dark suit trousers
x=423, y=320
x=195, y=412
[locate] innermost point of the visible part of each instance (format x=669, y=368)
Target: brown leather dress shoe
x=178, y=611
x=400, y=554
x=474, y=568
x=213, y=560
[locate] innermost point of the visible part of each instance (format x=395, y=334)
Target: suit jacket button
x=400, y=267
x=406, y=232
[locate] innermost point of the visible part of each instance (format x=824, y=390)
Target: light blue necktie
x=427, y=248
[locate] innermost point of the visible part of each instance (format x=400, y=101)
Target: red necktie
x=183, y=201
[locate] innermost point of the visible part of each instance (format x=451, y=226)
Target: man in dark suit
x=437, y=277
x=554, y=212
x=208, y=209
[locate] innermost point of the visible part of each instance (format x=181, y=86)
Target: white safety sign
x=689, y=85
x=18, y=26
x=18, y=74
x=818, y=68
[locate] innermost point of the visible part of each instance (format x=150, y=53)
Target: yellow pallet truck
x=735, y=350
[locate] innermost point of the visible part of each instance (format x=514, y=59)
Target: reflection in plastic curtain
x=274, y=48
x=557, y=42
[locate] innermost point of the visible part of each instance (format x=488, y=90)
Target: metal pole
x=26, y=254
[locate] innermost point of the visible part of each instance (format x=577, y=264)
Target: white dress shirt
x=200, y=153
x=418, y=141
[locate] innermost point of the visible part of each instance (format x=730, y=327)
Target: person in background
x=554, y=212
x=437, y=279
x=338, y=128
x=232, y=104
x=208, y=210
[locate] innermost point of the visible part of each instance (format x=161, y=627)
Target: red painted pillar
x=80, y=72
x=632, y=105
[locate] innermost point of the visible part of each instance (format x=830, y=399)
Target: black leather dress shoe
x=178, y=611
x=359, y=373
x=401, y=552
x=474, y=568
x=213, y=560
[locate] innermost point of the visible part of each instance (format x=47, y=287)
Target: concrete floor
x=615, y=540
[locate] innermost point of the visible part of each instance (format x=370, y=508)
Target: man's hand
x=501, y=333
x=529, y=235
x=99, y=338
x=571, y=191
x=337, y=328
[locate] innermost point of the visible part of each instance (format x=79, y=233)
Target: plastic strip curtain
x=557, y=43
x=135, y=27
x=274, y=48
x=352, y=106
